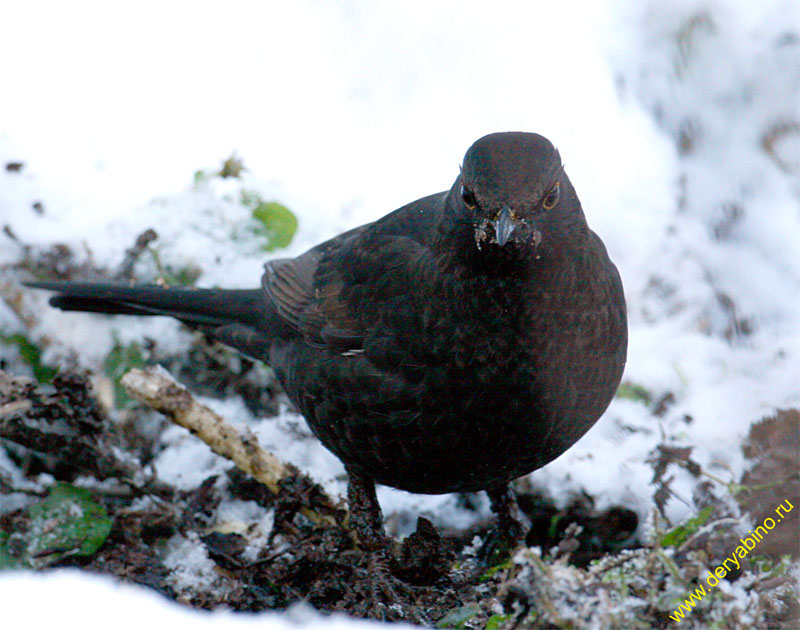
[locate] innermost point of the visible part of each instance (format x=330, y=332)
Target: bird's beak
x=504, y=226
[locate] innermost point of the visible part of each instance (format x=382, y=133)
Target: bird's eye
x=468, y=197
x=551, y=199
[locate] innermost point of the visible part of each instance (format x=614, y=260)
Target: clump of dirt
x=772, y=449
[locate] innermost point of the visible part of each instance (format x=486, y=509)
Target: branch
x=156, y=388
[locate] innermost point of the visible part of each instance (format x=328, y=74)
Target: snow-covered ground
x=674, y=120
x=99, y=602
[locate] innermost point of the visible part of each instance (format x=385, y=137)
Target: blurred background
x=350, y=108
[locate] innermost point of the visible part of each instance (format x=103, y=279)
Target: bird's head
x=515, y=195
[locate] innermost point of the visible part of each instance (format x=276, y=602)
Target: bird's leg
x=366, y=518
x=510, y=530
x=503, y=500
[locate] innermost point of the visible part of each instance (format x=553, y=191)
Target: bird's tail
x=242, y=318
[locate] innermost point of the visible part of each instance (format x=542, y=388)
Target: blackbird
x=459, y=342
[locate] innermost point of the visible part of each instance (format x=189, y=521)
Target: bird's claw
x=392, y=599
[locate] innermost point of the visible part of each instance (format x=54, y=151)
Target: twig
x=125, y=271
x=12, y=295
x=705, y=530
x=157, y=389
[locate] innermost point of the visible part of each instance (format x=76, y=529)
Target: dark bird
x=461, y=341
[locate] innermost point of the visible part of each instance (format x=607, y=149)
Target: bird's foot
x=386, y=592
x=509, y=532
x=391, y=598
x=499, y=546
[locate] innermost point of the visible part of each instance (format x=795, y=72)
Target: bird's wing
x=311, y=306
x=334, y=293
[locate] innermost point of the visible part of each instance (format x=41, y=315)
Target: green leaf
x=496, y=621
x=182, y=276
x=278, y=224
x=119, y=362
x=552, y=530
x=174, y=277
x=677, y=536
x=635, y=392
x=66, y=523
x=274, y=222
x=496, y=569
x=32, y=355
x=457, y=617
x=8, y=559
x=200, y=178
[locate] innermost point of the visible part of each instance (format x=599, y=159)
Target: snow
x=92, y=602
x=190, y=568
x=344, y=112
x=246, y=517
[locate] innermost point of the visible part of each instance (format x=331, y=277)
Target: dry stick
x=125, y=271
x=157, y=389
x=13, y=296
